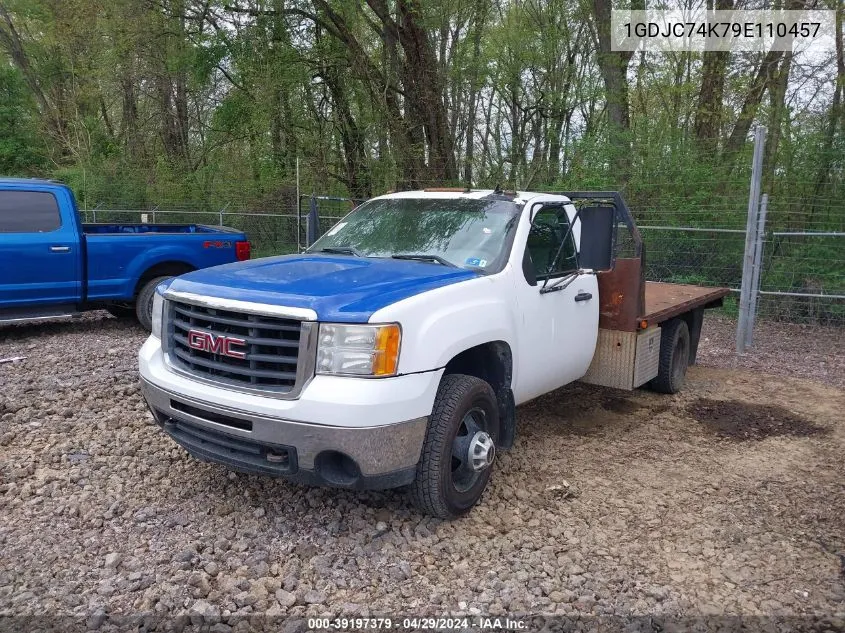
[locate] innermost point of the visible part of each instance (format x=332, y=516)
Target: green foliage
x=21, y=146
x=206, y=105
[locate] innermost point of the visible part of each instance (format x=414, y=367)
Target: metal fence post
x=299, y=224
x=759, y=243
x=220, y=213
x=312, y=226
x=750, y=231
x=298, y=211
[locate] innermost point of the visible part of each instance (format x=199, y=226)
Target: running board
x=30, y=316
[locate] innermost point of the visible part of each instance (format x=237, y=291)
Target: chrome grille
x=271, y=346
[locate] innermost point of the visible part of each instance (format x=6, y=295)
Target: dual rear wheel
x=674, y=357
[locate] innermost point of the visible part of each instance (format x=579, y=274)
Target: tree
x=20, y=144
x=614, y=68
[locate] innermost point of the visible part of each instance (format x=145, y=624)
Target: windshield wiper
x=436, y=259
x=340, y=250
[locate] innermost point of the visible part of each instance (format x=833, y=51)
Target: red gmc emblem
x=219, y=344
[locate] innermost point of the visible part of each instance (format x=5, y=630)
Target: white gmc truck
x=394, y=351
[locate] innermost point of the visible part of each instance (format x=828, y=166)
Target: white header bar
x=702, y=30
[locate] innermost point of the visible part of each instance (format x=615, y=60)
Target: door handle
x=60, y=249
x=583, y=296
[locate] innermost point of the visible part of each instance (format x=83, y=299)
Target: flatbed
x=664, y=301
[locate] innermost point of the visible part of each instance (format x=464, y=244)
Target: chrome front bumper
x=350, y=457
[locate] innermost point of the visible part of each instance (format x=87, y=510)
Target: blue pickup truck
x=52, y=265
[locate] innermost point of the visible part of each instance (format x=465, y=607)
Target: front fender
x=440, y=324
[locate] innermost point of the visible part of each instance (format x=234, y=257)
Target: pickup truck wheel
x=144, y=302
x=674, y=357
x=459, y=448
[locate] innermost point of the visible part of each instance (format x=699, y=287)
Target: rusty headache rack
x=628, y=301
x=631, y=308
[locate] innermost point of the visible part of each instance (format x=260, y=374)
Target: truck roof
x=7, y=180
x=457, y=192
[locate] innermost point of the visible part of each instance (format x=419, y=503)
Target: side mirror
x=598, y=237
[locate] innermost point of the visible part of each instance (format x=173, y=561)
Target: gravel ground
x=610, y=503
x=782, y=349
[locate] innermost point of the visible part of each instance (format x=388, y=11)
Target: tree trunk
x=10, y=40
x=181, y=122
x=708, y=113
x=424, y=91
x=352, y=137
x=750, y=104
x=169, y=133
x=614, y=68
x=836, y=116
x=778, y=83
x=129, y=119
x=474, y=87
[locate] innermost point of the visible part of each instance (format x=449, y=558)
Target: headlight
x=358, y=350
x=158, y=310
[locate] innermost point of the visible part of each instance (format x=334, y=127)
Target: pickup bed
x=54, y=265
x=395, y=350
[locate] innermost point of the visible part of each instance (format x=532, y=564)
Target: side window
x=551, y=244
x=28, y=212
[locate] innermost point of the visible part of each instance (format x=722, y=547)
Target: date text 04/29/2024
x=418, y=624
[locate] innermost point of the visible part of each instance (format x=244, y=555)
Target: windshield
x=463, y=232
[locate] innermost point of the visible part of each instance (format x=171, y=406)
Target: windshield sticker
x=486, y=231
x=336, y=228
x=474, y=261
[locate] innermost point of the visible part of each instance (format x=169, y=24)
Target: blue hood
x=337, y=287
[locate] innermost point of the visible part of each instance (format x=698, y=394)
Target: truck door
x=558, y=305
x=39, y=251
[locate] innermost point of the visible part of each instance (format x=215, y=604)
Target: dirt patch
x=747, y=421
x=622, y=406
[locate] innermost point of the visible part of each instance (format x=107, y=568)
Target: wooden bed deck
x=664, y=301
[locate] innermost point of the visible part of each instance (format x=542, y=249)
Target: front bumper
x=374, y=457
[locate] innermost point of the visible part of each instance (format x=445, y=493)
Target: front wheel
x=144, y=302
x=459, y=448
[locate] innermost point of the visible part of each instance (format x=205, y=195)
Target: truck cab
x=394, y=351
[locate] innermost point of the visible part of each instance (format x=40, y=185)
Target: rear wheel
x=459, y=447
x=674, y=357
x=144, y=301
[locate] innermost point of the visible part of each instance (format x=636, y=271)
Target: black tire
x=121, y=311
x=674, y=357
x=444, y=486
x=144, y=302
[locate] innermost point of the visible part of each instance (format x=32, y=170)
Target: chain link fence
x=802, y=273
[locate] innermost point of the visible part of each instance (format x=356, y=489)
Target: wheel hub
x=482, y=451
